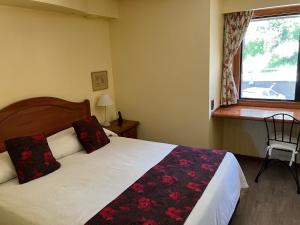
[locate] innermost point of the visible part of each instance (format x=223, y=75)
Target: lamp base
x=106, y=123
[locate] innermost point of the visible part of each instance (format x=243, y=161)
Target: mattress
x=86, y=183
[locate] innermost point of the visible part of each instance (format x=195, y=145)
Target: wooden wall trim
x=287, y=10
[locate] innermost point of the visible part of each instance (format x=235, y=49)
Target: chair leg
x=296, y=174
x=263, y=166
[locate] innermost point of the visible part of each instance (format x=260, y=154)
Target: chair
x=283, y=135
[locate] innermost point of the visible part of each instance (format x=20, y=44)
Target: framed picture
x=99, y=80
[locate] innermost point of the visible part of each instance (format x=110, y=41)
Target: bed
x=86, y=183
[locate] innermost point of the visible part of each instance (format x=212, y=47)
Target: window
x=269, y=56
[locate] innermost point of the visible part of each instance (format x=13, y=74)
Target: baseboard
x=247, y=157
x=255, y=158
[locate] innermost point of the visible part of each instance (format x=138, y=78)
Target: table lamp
x=105, y=100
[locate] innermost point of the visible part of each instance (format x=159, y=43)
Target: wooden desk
x=252, y=113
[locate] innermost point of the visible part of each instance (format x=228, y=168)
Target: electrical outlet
x=212, y=105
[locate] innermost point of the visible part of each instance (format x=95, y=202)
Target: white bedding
x=86, y=183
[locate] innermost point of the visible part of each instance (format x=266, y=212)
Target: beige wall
x=215, y=70
x=51, y=54
x=216, y=50
x=167, y=58
x=160, y=53
x=238, y=5
x=106, y=8
x=245, y=137
x=89, y=8
x=74, y=4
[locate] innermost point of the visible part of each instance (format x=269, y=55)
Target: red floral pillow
x=90, y=134
x=31, y=157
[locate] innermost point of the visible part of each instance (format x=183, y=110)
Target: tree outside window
x=270, y=58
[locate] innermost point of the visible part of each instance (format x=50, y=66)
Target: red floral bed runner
x=167, y=193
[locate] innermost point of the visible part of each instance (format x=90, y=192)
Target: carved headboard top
x=46, y=115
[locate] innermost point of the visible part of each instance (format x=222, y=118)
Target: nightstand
x=127, y=129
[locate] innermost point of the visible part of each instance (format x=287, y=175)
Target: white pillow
x=110, y=133
x=7, y=169
x=64, y=143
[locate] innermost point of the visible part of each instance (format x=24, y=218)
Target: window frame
x=237, y=64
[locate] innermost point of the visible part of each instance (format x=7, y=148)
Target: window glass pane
x=270, y=57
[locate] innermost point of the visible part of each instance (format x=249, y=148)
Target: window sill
x=257, y=113
x=269, y=103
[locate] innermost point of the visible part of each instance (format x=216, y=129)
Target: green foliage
x=270, y=34
x=296, y=31
x=277, y=61
x=254, y=48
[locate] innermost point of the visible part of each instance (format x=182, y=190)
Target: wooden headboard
x=39, y=115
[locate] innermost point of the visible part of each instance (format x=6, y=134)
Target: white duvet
x=86, y=183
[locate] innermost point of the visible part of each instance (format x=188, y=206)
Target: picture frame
x=99, y=80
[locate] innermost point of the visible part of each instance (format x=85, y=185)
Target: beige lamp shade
x=104, y=100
